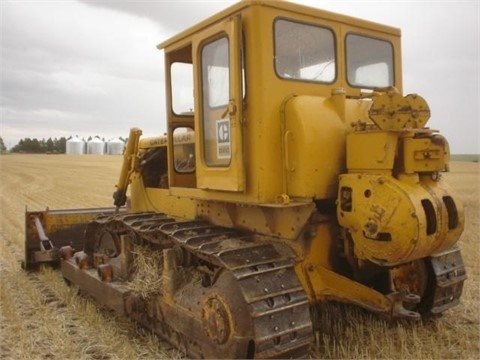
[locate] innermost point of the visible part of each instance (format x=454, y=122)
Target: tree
x=3, y=148
x=62, y=145
x=49, y=147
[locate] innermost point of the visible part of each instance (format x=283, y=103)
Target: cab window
x=182, y=88
x=184, y=150
x=216, y=93
x=304, y=51
x=369, y=61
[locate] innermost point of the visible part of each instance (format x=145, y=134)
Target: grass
x=146, y=265
x=465, y=157
x=42, y=318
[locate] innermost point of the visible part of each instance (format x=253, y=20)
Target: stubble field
x=42, y=318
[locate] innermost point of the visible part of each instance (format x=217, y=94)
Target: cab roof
x=281, y=5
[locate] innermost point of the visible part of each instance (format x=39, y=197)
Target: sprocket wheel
x=216, y=320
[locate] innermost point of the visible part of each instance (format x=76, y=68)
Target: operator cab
x=228, y=80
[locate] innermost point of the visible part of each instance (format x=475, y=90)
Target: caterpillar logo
x=223, y=139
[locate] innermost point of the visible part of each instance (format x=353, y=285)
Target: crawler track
x=279, y=324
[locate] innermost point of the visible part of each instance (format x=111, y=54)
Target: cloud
x=175, y=15
x=73, y=67
x=74, y=35
x=68, y=68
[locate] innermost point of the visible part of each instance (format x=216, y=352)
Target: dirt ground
x=42, y=318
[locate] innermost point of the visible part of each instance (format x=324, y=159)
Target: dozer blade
x=46, y=232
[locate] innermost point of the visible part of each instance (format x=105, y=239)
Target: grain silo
x=115, y=147
x=96, y=146
x=75, y=146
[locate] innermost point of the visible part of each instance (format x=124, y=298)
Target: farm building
x=75, y=146
x=115, y=147
x=96, y=146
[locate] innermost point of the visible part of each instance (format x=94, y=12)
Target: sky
x=86, y=68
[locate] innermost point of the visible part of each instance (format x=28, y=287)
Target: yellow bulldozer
x=293, y=172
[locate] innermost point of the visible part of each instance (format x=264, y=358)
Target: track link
x=449, y=274
x=263, y=270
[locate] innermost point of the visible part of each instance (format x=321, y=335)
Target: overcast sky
x=88, y=68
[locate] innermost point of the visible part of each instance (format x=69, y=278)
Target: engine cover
x=392, y=221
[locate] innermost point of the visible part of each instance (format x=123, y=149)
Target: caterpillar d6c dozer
x=293, y=172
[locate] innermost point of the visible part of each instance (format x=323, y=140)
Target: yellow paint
x=295, y=144
x=282, y=147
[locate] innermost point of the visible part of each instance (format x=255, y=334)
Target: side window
x=215, y=101
x=369, y=61
x=184, y=150
x=182, y=87
x=304, y=51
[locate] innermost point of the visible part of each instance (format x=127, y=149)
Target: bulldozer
x=293, y=172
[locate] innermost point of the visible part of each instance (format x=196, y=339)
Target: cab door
x=219, y=98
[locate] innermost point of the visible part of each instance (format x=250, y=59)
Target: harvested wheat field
x=42, y=318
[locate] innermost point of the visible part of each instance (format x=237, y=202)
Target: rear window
x=369, y=62
x=304, y=51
